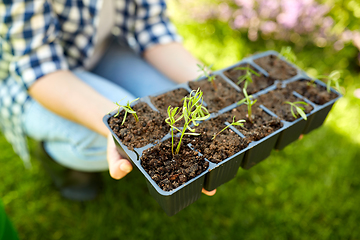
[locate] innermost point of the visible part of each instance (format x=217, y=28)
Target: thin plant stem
x=128, y=109
x=237, y=123
x=192, y=112
x=247, y=100
x=205, y=72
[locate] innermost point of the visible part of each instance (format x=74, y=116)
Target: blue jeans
x=120, y=73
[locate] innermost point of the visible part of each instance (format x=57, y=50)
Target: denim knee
x=88, y=153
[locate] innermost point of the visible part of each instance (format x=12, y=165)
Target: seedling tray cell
x=174, y=201
x=274, y=53
x=320, y=111
x=293, y=130
x=259, y=150
x=318, y=117
x=223, y=172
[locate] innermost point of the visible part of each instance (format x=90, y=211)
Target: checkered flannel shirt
x=38, y=37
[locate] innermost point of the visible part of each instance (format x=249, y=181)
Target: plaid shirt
x=38, y=37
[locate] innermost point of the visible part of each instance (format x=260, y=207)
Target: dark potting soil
x=262, y=123
x=150, y=127
x=259, y=82
x=172, y=98
x=312, y=91
x=171, y=172
x=223, y=96
x=226, y=144
x=275, y=102
x=277, y=68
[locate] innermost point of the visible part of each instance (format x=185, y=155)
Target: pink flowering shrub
x=289, y=20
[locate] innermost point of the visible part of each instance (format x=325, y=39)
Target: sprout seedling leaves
x=299, y=109
x=247, y=100
x=333, y=79
x=287, y=53
x=127, y=108
x=247, y=77
x=174, y=117
x=192, y=111
x=237, y=123
x=206, y=71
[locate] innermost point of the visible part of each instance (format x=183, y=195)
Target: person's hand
x=118, y=165
x=211, y=193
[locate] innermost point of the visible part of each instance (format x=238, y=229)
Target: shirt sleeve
x=152, y=25
x=28, y=40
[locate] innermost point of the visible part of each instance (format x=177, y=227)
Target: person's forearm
x=64, y=94
x=174, y=61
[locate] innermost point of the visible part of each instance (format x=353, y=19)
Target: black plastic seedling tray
x=218, y=174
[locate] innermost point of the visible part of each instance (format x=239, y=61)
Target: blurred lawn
x=309, y=190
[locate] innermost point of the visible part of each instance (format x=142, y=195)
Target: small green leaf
x=301, y=112
x=335, y=75
x=292, y=112
x=241, y=101
x=301, y=102
x=254, y=72
x=123, y=121
x=287, y=53
x=299, y=109
x=191, y=133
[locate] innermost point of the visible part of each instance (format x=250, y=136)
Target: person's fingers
x=209, y=193
x=118, y=166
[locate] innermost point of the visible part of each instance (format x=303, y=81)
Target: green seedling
x=174, y=117
x=333, y=79
x=192, y=111
x=206, y=71
x=237, y=123
x=247, y=77
x=287, y=53
x=127, y=108
x=299, y=109
x=247, y=100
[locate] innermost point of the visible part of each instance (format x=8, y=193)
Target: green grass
x=309, y=190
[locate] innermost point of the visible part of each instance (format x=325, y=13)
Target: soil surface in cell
x=277, y=68
x=260, y=125
x=169, y=171
x=312, y=91
x=150, y=127
x=259, y=82
x=172, y=98
x=275, y=102
x=224, y=145
x=219, y=98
